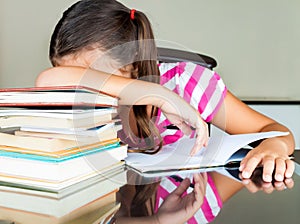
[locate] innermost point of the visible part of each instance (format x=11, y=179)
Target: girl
x=97, y=38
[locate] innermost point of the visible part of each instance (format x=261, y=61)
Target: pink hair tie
x=132, y=12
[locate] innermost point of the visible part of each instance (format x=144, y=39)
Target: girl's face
x=97, y=60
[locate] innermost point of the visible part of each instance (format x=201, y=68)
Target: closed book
x=91, y=213
x=103, y=216
x=47, y=170
x=59, y=193
x=58, y=156
x=56, y=96
x=56, y=112
x=102, y=133
x=55, y=120
x=58, y=207
x=51, y=144
x=57, y=189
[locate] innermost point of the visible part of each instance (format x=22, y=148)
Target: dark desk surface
x=275, y=208
x=245, y=207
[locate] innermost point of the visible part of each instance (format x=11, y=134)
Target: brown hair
x=107, y=24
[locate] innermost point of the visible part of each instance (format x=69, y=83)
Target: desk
x=275, y=208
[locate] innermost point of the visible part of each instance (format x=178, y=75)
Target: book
x=58, y=112
x=104, y=216
x=91, y=213
x=27, y=200
x=58, y=193
x=57, y=171
x=101, y=133
x=78, y=131
x=58, y=156
x=175, y=158
x=38, y=142
x=57, y=120
x=70, y=96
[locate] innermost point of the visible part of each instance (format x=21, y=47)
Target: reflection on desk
x=244, y=206
x=275, y=208
x=86, y=202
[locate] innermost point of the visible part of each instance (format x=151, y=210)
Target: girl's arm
x=236, y=117
x=132, y=92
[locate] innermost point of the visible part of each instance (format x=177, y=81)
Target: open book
x=221, y=151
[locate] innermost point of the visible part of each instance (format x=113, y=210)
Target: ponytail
x=146, y=66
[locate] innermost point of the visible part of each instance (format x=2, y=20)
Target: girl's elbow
x=57, y=76
x=44, y=78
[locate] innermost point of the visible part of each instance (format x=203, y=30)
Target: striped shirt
x=204, y=90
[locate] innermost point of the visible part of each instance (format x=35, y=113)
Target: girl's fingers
x=184, y=185
x=201, y=178
x=269, y=165
x=289, y=183
x=249, y=165
x=279, y=186
x=200, y=181
x=280, y=169
x=290, y=167
x=185, y=128
x=250, y=185
x=268, y=187
x=201, y=138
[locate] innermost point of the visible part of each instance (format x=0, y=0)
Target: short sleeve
x=201, y=87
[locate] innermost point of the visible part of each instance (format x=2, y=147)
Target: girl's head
x=94, y=27
x=90, y=29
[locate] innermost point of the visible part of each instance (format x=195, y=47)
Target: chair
x=174, y=55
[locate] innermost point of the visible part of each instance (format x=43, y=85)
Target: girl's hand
x=271, y=154
x=178, y=208
x=256, y=183
x=184, y=116
x=268, y=187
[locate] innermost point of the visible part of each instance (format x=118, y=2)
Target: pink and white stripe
x=205, y=90
x=211, y=204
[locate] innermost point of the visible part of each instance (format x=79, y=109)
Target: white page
x=71, y=114
x=78, y=131
x=176, y=156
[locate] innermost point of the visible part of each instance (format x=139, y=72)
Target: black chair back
x=173, y=55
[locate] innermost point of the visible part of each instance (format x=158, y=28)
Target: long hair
x=107, y=24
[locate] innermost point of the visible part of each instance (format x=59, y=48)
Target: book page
x=177, y=156
x=221, y=149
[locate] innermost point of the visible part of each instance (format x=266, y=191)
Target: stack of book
x=59, y=150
